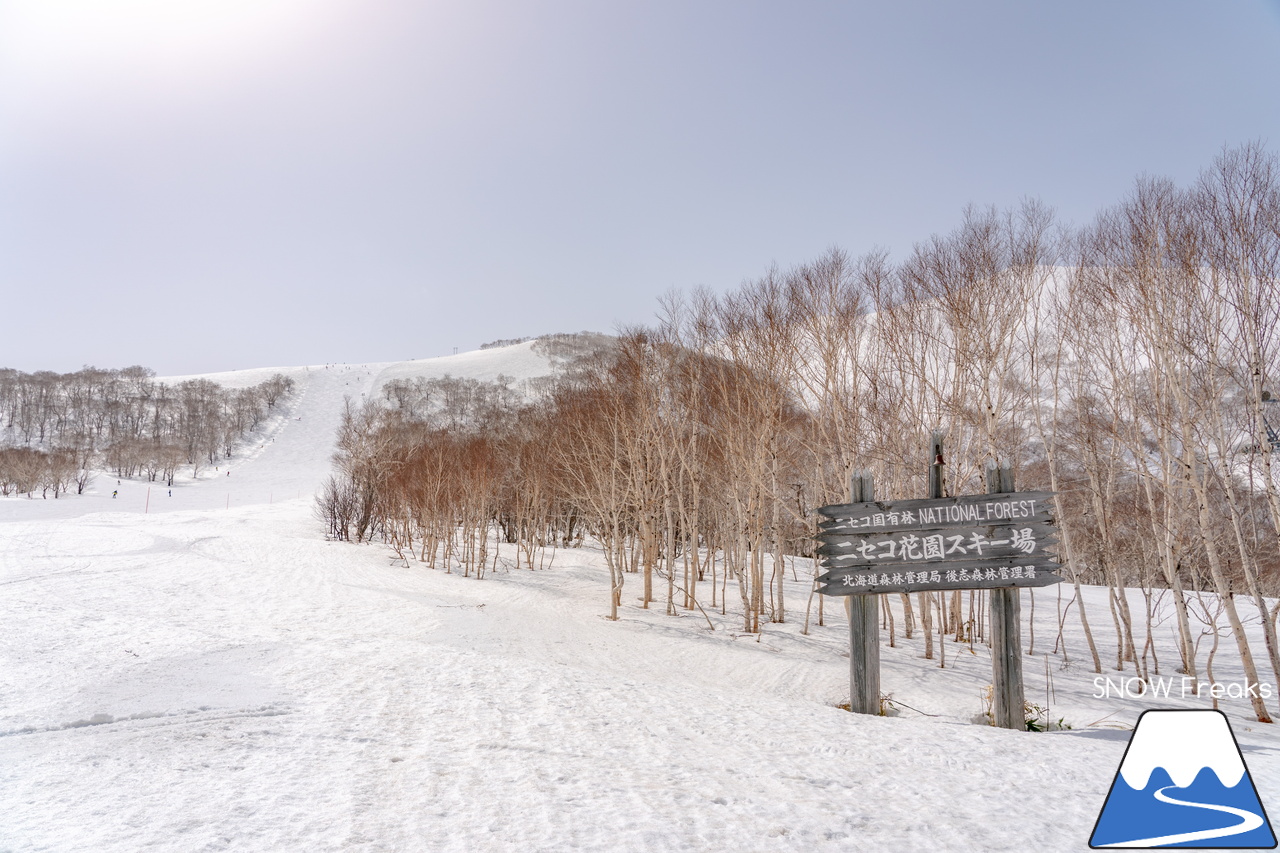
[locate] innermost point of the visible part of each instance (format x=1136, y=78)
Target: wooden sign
x=972, y=574
x=995, y=541
x=987, y=541
x=935, y=545
x=1013, y=509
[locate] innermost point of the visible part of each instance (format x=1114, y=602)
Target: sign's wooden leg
x=864, y=628
x=1008, y=699
x=864, y=654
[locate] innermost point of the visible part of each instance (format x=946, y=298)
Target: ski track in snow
x=204, y=678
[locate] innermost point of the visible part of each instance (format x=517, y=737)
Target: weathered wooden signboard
x=998, y=541
x=968, y=542
x=960, y=511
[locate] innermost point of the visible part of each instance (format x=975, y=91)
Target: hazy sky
x=198, y=185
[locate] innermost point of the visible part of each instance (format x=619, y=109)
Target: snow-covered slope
x=291, y=455
x=213, y=675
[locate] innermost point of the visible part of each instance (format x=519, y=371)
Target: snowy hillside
x=291, y=455
x=205, y=672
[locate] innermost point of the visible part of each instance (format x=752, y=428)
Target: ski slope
x=290, y=456
x=205, y=672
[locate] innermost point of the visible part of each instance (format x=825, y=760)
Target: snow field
x=261, y=689
x=205, y=678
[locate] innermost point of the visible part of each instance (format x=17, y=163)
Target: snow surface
x=205, y=672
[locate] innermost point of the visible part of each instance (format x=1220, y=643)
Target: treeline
x=455, y=454
x=1128, y=365
x=55, y=428
x=26, y=470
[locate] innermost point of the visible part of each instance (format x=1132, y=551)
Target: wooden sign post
x=864, y=627
x=993, y=541
x=1008, y=698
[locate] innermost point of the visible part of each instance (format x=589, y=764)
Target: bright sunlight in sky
x=200, y=185
x=177, y=32
x=81, y=49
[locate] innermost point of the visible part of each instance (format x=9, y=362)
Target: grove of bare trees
x=1131, y=366
x=55, y=428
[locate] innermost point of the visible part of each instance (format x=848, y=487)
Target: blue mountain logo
x=1183, y=783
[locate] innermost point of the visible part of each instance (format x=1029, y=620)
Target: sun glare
x=70, y=35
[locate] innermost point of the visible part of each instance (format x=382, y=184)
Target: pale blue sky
x=219, y=184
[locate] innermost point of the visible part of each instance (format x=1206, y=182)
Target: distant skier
x=114, y=493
